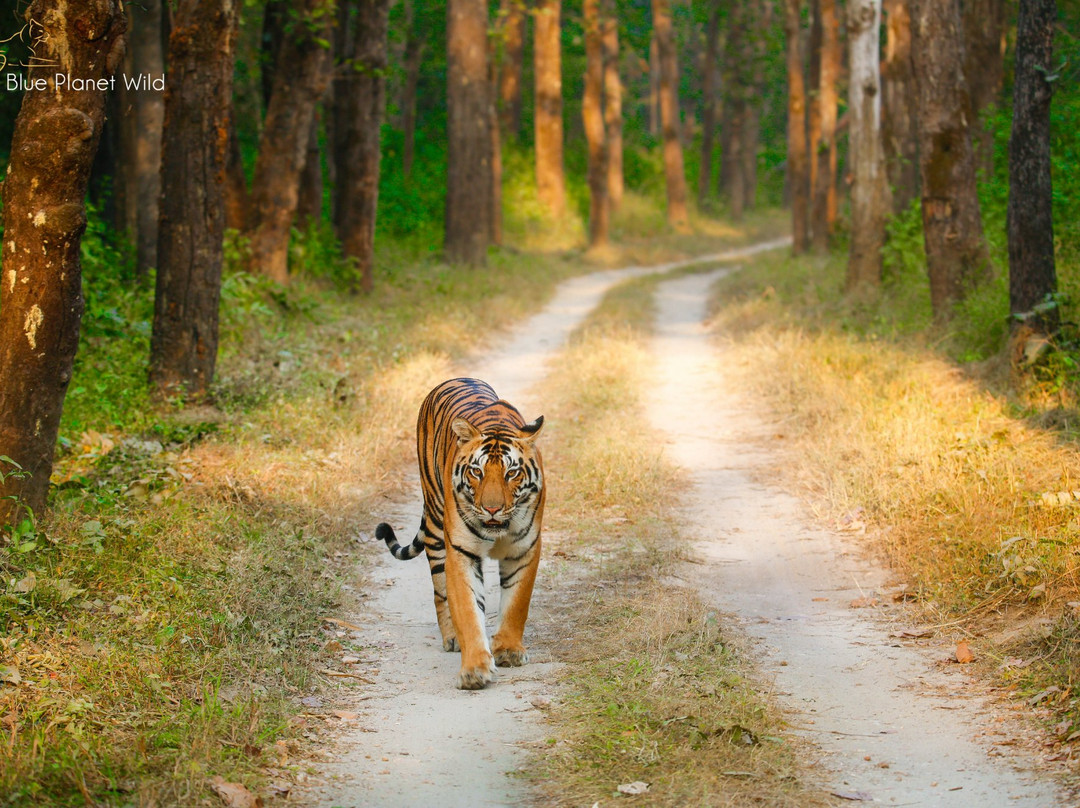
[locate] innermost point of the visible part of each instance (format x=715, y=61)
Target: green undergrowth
x=653, y=689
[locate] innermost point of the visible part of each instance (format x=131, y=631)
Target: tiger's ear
x=464, y=430
x=530, y=431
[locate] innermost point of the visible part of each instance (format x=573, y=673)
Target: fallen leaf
x=10, y=674
x=859, y=796
x=636, y=787
x=344, y=623
x=27, y=584
x=913, y=633
x=1039, y=698
x=235, y=795
x=311, y=701
x=862, y=603
x=346, y=715
x=963, y=654
x=821, y=600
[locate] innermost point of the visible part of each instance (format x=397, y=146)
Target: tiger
x=475, y=450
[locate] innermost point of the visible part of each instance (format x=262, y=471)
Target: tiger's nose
x=493, y=510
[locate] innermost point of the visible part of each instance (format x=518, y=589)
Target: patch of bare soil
x=895, y=722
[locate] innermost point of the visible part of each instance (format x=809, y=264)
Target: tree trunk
x=414, y=58
x=1032, y=275
x=52, y=150
x=868, y=198
x=956, y=254
x=361, y=113
x=592, y=113
x=513, y=30
x=194, y=154
x=984, y=69
x=708, y=92
x=798, y=165
x=495, y=216
x=140, y=131
x=655, y=126
x=900, y=113
x=468, y=192
x=613, y=117
x=823, y=206
x=669, y=114
x=550, y=180
x=309, y=202
x=236, y=191
x=813, y=118
x=284, y=140
x=756, y=52
x=340, y=100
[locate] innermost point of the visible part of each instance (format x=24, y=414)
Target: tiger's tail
x=386, y=533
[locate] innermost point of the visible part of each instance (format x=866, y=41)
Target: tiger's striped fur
x=478, y=448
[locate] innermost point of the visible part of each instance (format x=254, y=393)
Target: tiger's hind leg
x=436, y=556
x=516, y=577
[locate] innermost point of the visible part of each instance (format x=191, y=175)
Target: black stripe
x=466, y=553
x=438, y=569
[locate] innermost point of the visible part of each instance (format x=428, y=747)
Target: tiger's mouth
x=496, y=523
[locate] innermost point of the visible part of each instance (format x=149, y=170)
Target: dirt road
x=863, y=701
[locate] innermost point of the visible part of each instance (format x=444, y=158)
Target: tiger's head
x=497, y=476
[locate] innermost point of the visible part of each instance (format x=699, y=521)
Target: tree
x=900, y=108
x=669, y=114
x=956, y=254
x=512, y=25
x=469, y=184
x=823, y=105
x=194, y=154
x=304, y=56
x=868, y=197
x=414, y=59
x=358, y=122
x=548, y=118
x=984, y=68
x=613, y=116
x=798, y=163
x=708, y=92
x=56, y=136
x=1032, y=274
x=592, y=113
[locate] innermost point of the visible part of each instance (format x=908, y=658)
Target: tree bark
x=309, y=201
x=984, y=69
x=823, y=204
x=798, y=162
x=361, y=113
x=592, y=113
x=56, y=136
x=613, y=116
x=868, y=200
x=469, y=170
x=513, y=17
x=708, y=92
x=900, y=113
x=655, y=126
x=340, y=99
x=414, y=59
x=956, y=254
x=674, y=172
x=284, y=140
x=550, y=179
x=495, y=217
x=236, y=191
x=140, y=131
x=194, y=154
x=1032, y=274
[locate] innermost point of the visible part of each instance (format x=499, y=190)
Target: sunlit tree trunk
x=674, y=172
x=298, y=84
x=513, y=17
x=547, y=53
x=823, y=202
x=655, y=125
x=194, y=154
x=984, y=69
x=956, y=254
x=1032, y=274
x=495, y=134
x=900, y=109
x=468, y=195
x=56, y=135
x=798, y=164
x=708, y=92
x=613, y=116
x=364, y=85
x=868, y=199
x=592, y=112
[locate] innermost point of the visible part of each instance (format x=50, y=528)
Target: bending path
x=895, y=725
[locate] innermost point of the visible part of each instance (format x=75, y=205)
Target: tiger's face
x=497, y=478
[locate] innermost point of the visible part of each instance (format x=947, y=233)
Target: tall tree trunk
x=868, y=200
x=340, y=101
x=468, y=192
x=236, y=190
x=708, y=92
x=798, y=163
x=756, y=52
x=592, y=113
x=414, y=58
x=984, y=69
x=813, y=118
x=1032, y=274
x=194, y=154
x=52, y=150
x=495, y=217
x=285, y=134
x=613, y=116
x=140, y=131
x=823, y=204
x=900, y=113
x=956, y=254
x=655, y=125
x=309, y=201
x=513, y=17
x=358, y=173
x=674, y=172
x=547, y=53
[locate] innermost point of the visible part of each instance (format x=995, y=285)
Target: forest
x=236, y=236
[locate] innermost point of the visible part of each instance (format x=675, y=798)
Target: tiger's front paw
x=476, y=676
x=449, y=644
x=511, y=657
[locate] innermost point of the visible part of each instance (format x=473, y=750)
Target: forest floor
x=872, y=707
